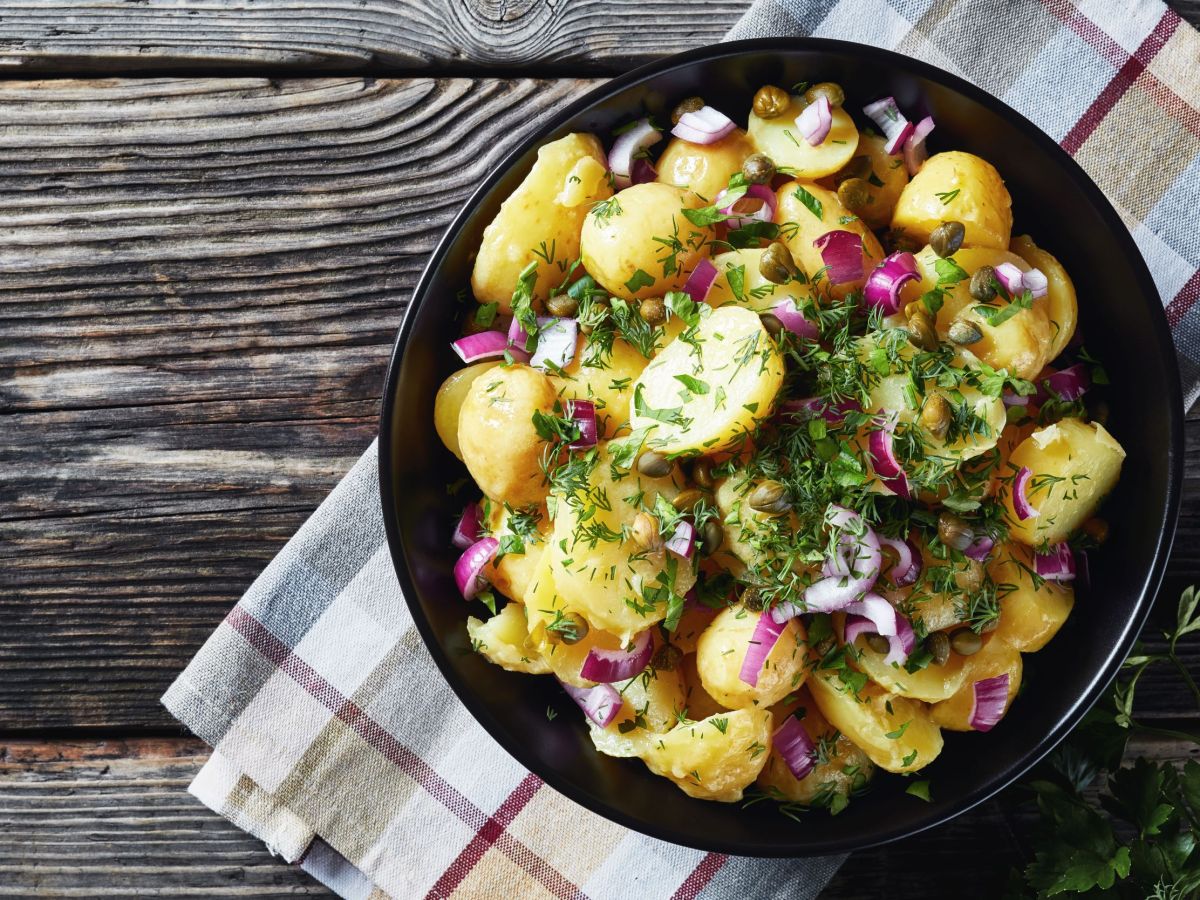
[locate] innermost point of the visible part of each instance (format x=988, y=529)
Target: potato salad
x=786, y=449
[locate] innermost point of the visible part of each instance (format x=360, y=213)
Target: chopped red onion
x=850, y=571
x=881, y=449
x=643, y=172
x=980, y=548
x=1035, y=282
x=1057, y=565
x=556, y=342
x=607, y=666
x=816, y=120
x=915, y=152
x=1012, y=398
x=895, y=127
x=908, y=561
x=700, y=282
x=1021, y=505
x=583, y=413
x=601, y=703
x=874, y=615
x=901, y=644
x=1070, y=383
x=682, y=541
x=762, y=642
x=764, y=213
x=468, y=571
x=899, y=486
x=627, y=147
x=469, y=527
x=704, y=126
x=793, y=320
x=486, y=345
x=990, y=698
x=842, y=254
x=1009, y=276
x=882, y=290
x=795, y=747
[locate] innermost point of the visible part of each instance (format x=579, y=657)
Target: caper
x=947, y=238
x=702, y=473
x=772, y=324
x=654, y=465
x=829, y=90
x=713, y=535
x=666, y=658
x=770, y=102
x=562, y=305
x=954, y=532
x=1097, y=529
x=897, y=241
x=769, y=497
x=858, y=167
x=571, y=628
x=982, y=287
x=654, y=311
x=776, y=264
x=936, y=415
x=966, y=642
x=921, y=332
x=964, y=332
x=752, y=599
x=878, y=643
x=938, y=645
x=690, y=105
x=854, y=193
x=644, y=532
x=758, y=168
x=686, y=500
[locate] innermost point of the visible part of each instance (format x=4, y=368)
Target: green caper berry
x=966, y=642
x=769, y=497
x=964, y=333
x=713, y=537
x=654, y=465
x=936, y=415
x=570, y=629
x=689, y=105
x=702, y=473
x=938, y=645
x=878, y=643
x=854, y=193
x=947, y=238
x=772, y=324
x=687, y=500
x=982, y=287
x=776, y=264
x=858, y=167
x=770, y=102
x=752, y=599
x=830, y=90
x=921, y=332
x=654, y=311
x=562, y=305
x=954, y=532
x=666, y=658
x=758, y=168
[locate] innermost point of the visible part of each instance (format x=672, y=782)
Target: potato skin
x=1062, y=306
x=888, y=169
x=608, y=385
x=780, y=139
x=722, y=648
x=500, y=445
x=758, y=293
x=547, y=207
x=617, y=241
x=715, y=758
x=449, y=400
x=791, y=208
x=996, y=658
x=844, y=769
x=704, y=169
x=982, y=203
x=1030, y=615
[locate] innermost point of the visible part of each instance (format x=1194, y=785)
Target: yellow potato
x=543, y=215
x=599, y=570
x=885, y=168
x=780, y=139
x=722, y=648
x=691, y=625
x=1062, y=307
x=1074, y=465
x=704, y=168
x=449, y=401
x=504, y=640
x=996, y=658
x=792, y=207
x=754, y=291
x=699, y=703
x=750, y=534
x=651, y=704
x=716, y=758
x=930, y=684
x=499, y=443
x=607, y=382
x=870, y=716
x=1030, y=615
x=705, y=400
x=619, y=247
x=961, y=187
x=514, y=572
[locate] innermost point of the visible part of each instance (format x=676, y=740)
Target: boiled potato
x=651, y=704
x=995, y=658
x=543, y=215
x=1062, y=307
x=699, y=703
x=599, y=570
x=514, y=572
x=1030, y=615
x=793, y=207
x=754, y=291
x=706, y=394
x=504, y=640
x=930, y=684
x=891, y=174
x=715, y=758
x=1074, y=465
x=959, y=186
x=723, y=646
x=841, y=770
x=607, y=382
x=780, y=139
x=499, y=443
x=704, y=169
x=895, y=732
x=691, y=625
x=618, y=240
x=449, y=401
x=749, y=533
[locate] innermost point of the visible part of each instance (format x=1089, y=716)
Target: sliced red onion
x=795, y=747
x=915, y=152
x=1021, y=505
x=850, y=571
x=556, y=342
x=1057, y=565
x=583, y=413
x=601, y=703
x=762, y=642
x=816, y=120
x=901, y=643
x=518, y=337
x=895, y=127
x=882, y=290
x=626, y=148
x=643, y=172
x=682, y=541
x=704, y=126
x=1009, y=276
x=874, y=615
x=908, y=565
x=980, y=548
x=881, y=449
x=468, y=571
x=793, y=320
x=486, y=345
x=700, y=282
x=764, y=213
x=987, y=705
x=842, y=254
x=1069, y=384
x=469, y=527
x=607, y=666
x=899, y=486
x=1036, y=282
x=1012, y=398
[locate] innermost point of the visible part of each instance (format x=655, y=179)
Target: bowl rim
x=1152, y=582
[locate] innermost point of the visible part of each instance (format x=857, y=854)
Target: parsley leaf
x=811, y=202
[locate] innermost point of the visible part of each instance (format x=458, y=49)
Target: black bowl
x=1125, y=326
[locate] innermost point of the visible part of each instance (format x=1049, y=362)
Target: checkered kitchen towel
x=335, y=739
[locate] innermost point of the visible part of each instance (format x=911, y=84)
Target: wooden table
x=212, y=216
